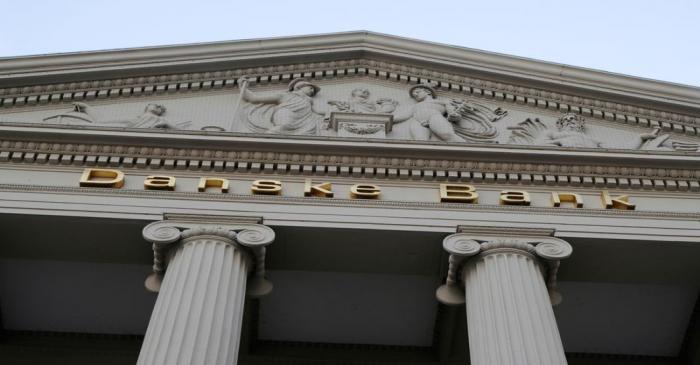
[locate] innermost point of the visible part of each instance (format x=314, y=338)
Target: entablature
x=222, y=152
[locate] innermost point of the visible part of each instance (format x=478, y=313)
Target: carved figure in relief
x=152, y=117
x=570, y=131
x=291, y=112
x=359, y=102
x=450, y=121
x=655, y=141
x=685, y=146
x=80, y=114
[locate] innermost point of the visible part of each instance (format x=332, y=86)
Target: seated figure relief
x=450, y=121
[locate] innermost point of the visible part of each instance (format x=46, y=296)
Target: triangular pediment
x=364, y=82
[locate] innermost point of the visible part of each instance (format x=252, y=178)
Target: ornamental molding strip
x=535, y=98
x=620, y=175
x=362, y=203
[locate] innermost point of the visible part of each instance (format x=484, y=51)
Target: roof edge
x=26, y=70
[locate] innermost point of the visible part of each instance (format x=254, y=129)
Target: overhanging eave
x=31, y=70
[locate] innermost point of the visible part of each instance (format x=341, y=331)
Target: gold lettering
x=458, y=193
x=322, y=190
x=155, y=182
x=266, y=187
x=558, y=198
x=515, y=197
x=620, y=202
x=102, y=178
x=365, y=191
x=212, y=182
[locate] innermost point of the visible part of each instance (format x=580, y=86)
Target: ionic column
x=199, y=310
x=504, y=282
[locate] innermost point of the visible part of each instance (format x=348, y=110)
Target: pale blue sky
x=651, y=39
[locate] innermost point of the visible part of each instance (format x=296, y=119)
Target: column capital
x=466, y=244
x=246, y=234
x=483, y=241
x=251, y=237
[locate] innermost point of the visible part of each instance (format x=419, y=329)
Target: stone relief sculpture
x=570, y=131
x=359, y=116
x=474, y=120
x=655, y=141
x=292, y=112
x=424, y=117
x=362, y=129
x=80, y=114
x=685, y=146
x=152, y=117
x=359, y=102
x=450, y=121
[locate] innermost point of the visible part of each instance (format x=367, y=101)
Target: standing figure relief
x=450, y=121
x=291, y=112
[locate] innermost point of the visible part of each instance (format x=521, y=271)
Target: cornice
x=324, y=47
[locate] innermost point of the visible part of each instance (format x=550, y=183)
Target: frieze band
x=449, y=193
x=427, y=117
x=153, y=85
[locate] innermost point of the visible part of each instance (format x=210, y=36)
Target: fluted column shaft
x=508, y=301
x=198, y=313
x=509, y=315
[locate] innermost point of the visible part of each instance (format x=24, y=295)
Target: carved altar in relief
x=361, y=124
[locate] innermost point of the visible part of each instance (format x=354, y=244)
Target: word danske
x=453, y=193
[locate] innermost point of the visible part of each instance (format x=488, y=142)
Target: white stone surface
x=198, y=315
x=220, y=108
x=509, y=316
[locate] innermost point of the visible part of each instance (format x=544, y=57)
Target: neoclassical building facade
x=351, y=198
